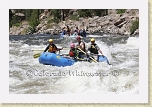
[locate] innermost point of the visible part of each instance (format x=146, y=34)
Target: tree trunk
x=63, y=17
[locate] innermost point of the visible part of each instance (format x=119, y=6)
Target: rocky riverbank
x=113, y=23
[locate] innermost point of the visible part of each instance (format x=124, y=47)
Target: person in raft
x=80, y=45
x=73, y=51
x=52, y=48
x=94, y=49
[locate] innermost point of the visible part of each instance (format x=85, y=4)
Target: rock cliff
x=113, y=23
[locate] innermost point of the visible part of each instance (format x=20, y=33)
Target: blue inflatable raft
x=48, y=58
x=53, y=59
x=103, y=58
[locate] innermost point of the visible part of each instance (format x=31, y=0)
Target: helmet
x=78, y=37
x=72, y=45
x=71, y=54
x=92, y=40
x=50, y=40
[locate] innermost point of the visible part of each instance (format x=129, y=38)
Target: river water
x=27, y=76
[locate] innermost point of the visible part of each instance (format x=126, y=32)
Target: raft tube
x=53, y=59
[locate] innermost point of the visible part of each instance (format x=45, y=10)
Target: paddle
x=38, y=54
x=93, y=58
x=58, y=49
x=86, y=54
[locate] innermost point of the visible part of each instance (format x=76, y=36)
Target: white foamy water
x=27, y=76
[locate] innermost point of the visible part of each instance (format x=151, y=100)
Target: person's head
x=72, y=45
x=50, y=41
x=78, y=38
x=92, y=40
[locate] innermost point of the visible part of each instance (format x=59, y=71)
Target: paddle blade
x=36, y=55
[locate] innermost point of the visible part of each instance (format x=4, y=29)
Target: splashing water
x=27, y=76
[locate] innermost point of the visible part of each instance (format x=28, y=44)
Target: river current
x=28, y=76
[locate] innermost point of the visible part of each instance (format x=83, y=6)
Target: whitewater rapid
x=27, y=76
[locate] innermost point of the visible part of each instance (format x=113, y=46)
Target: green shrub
x=17, y=24
x=49, y=21
x=30, y=30
x=135, y=25
x=74, y=17
x=34, y=20
x=120, y=11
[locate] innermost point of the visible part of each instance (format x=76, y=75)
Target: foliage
x=135, y=25
x=10, y=15
x=30, y=30
x=28, y=14
x=34, y=19
x=84, y=13
x=120, y=11
x=17, y=24
x=92, y=12
x=14, y=21
x=56, y=15
x=74, y=17
x=100, y=12
x=50, y=21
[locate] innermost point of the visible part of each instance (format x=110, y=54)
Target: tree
x=10, y=17
x=63, y=17
x=56, y=15
x=34, y=19
x=28, y=14
x=85, y=13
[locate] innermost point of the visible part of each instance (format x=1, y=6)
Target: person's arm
x=82, y=45
x=99, y=49
x=46, y=48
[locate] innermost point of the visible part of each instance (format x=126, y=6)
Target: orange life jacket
x=52, y=48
